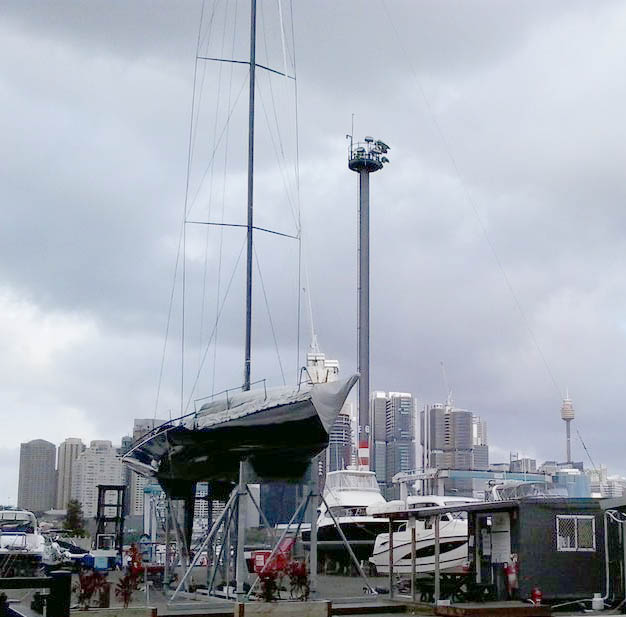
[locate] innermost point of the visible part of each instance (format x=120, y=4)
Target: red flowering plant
x=299, y=584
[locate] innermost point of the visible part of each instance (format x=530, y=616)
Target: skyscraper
x=400, y=422
x=378, y=445
x=453, y=438
x=339, y=451
x=67, y=455
x=37, y=479
x=392, y=438
x=100, y=463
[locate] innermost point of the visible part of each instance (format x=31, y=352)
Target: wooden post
x=437, y=547
x=390, y=559
x=60, y=596
x=166, y=565
x=413, y=561
x=475, y=519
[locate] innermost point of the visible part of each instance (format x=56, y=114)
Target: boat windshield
x=356, y=481
x=348, y=511
x=17, y=522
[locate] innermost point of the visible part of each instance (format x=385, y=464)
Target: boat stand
x=229, y=530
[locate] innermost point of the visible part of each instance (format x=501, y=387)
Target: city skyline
x=457, y=439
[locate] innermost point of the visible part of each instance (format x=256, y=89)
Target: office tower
x=378, y=435
x=392, y=435
x=453, y=438
x=66, y=459
x=400, y=448
x=37, y=478
x=136, y=482
x=339, y=451
x=523, y=465
x=100, y=463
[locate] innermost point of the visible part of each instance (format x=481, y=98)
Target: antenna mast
x=247, y=361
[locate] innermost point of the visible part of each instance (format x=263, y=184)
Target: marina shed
x=559, y=545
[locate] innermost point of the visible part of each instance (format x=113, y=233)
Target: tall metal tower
x=365, y=158
x=567, y=414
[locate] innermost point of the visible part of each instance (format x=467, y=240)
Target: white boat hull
x=453, y=555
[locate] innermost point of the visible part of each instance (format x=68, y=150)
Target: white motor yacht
x=452, y=532
x=21, y=544
x=348, y=493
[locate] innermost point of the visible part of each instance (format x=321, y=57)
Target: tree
x=74, y=522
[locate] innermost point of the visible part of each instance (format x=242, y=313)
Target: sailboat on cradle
x=276, y=430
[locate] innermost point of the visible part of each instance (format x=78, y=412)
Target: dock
x=493, y=609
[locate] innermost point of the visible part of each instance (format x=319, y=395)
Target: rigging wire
x=269, y=315
x=282, y=35
x=204, y=69
x=208, y=344
x=278, y=133
x=184, y=232
x=298, y=202
x=472, y=203
x=283, y=173
x=221, y=242
x=210, y=204
x=217, y=144
x=169, y=319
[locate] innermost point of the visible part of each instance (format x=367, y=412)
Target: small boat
x=21, y=544
x=453, y=557
x=278, y=430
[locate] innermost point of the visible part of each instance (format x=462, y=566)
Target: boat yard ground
x=345, y=592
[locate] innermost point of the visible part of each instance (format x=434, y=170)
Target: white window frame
x=575, y=518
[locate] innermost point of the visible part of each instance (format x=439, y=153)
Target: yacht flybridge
x=348, y=494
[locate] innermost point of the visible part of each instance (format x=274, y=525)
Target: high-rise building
x=523, y=465
x=392, y=439
x=378, y=445
x=37, y=478
x=100, y=463
x=453, y=438
x=339, y=451
x=400, y=448
x=136, y=482
x=66, y=459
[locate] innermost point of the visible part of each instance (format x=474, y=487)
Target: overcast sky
x=497, y=229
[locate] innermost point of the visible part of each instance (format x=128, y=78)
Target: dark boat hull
x=278, y=439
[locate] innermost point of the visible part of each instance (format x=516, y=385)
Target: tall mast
x=246, y=374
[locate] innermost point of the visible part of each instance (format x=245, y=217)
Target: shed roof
x=488, y=506
x=616, y=503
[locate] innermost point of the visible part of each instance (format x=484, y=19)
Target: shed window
x=575, y=533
